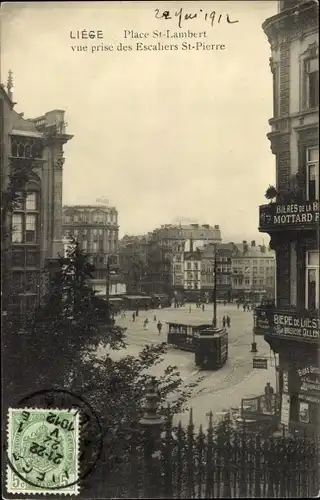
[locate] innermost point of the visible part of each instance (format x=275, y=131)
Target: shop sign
x=285, y=324
x=276, y=214
x=260, y=362
x=310, y=380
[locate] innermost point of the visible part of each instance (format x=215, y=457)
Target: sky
x=164, y=135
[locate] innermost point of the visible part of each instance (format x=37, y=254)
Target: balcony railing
x=261, y=406
x=290, y=324
x=279, y=216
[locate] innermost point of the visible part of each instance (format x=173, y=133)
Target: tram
x=209, y=344
x=185, y=336
x=212, y=350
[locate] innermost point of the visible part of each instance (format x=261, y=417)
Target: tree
x=70, y=322
x=57, y=348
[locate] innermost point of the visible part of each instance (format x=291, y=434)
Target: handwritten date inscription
x=180, y=15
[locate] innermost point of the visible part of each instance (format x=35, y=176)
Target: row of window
x=26, y=147
x=222, y=280
x=94, y=232
x=99, y=218
x=254, y=262
x=254, y=282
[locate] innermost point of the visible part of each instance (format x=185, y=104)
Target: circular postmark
x=54, y=441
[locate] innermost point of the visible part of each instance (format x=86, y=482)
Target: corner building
x=291, y=325
x=32, y=228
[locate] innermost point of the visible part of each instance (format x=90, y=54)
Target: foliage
x=271, y=193
x=69, y=343
x=70, y=322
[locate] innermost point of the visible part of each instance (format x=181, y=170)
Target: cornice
x=292, y=24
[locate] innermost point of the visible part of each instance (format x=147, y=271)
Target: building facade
x=166, y=254
x=96, y=229
x=32, y=226
x=192, y=273
x=223, y=254
x=292, y=325
x=253, y=272
x=133, y=257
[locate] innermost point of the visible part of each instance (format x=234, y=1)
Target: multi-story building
x=192, y=274
x=96, y=229
x=253, y=272
x=292, y=324
x=223, y=279
x=133, y=257
x=32, y=227
x=166, y=251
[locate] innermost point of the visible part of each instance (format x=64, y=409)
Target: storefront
x=295, y=336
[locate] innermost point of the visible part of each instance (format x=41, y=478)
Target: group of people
x=246, y=306
x=146, y=321
x=226, y=320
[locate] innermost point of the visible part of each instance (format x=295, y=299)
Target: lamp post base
x=254, y=347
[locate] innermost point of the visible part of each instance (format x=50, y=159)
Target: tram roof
x=194, y=322
x=135, y=297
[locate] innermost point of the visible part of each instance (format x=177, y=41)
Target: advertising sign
x=276, y=214
x=310, y=380
x=285, y=410
x=287, y=324
x=260, y=362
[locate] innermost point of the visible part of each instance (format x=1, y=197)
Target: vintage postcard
x=160, y=275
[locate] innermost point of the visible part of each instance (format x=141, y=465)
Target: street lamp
x=214, y=291
x=108, y=279
x=253, y=343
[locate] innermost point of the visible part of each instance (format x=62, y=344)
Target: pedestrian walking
x=133, y=317
x=269, y=391
x=224, y=302
x=224, y=321
x=228, y=321
x=244, y=307
x=159, y=326
x=154, y=317
x=189, y=309
x=145, y=324
x=202, y=307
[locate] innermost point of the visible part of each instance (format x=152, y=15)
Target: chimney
x=245, y=246
x=253, y=243
x=217, y=226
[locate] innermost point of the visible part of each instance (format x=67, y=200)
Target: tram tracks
x=214, y=390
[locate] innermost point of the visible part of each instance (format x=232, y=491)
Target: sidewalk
x=223, y=399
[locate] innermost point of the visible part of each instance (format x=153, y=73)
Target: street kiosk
x=185, y=336
x=212, y=349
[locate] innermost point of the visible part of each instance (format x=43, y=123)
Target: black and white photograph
x=160, y=249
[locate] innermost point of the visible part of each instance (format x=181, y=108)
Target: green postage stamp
x=43, y=451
